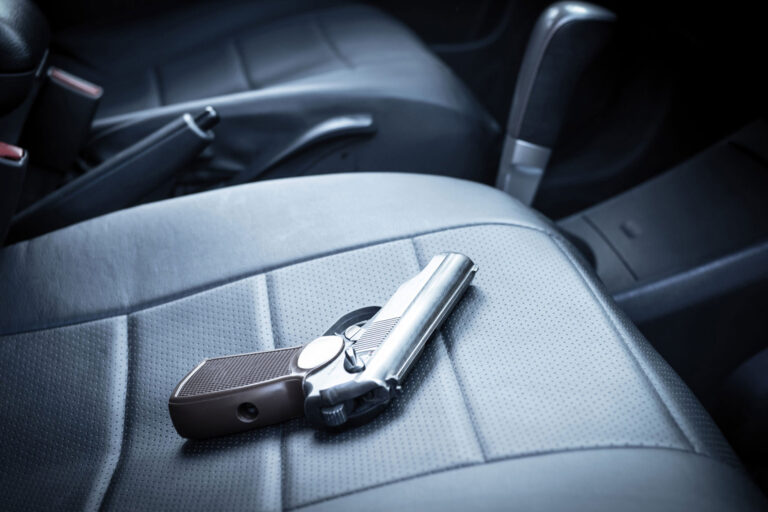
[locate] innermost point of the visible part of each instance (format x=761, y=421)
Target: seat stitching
x=283, y=470
x=323, y=31
x=154, y=79
x=283, y=442
x=223, y=282
x=504, y=459
x=243, y=64
x=273, y=82
x=124, y=441
x=558, y=242
x=443, y=336
x=270, y=306
x=612, y=321
x=291, y=75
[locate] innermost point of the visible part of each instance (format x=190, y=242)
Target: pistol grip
x=236, y=393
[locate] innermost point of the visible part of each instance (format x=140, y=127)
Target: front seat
x=277, y=72
x=538, y=394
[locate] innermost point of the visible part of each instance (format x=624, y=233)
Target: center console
x=693, y=232
x=686, y=256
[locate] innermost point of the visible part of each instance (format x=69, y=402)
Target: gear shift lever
x=565, y=39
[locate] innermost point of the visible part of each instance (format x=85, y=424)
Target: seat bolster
x=129, y=259
x=588, y=480
x=538, y=393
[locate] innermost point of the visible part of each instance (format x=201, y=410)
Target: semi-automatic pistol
x=344, y=377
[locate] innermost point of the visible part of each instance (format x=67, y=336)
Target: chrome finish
x=340, y=391
x=521, y=168
x=421, y=303
x=319, y=351
x=353, y=332
x=529, y=157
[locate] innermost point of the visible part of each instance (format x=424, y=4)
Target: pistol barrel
x=441, y=284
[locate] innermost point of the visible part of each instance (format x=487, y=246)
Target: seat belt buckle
x=75, y=83
x=10, y=154
x=59, y=122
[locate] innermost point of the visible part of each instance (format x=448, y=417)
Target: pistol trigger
x=352, y=362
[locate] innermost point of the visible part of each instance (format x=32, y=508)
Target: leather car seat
x=275, y=71
x=538, y=394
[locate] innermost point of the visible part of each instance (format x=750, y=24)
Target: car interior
x=186, y=180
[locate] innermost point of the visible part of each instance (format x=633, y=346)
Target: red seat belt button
x=10, y=152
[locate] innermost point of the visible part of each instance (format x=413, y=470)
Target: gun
x=345, y=377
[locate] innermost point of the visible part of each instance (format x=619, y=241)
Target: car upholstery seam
x=215, y=284
x=558, y=242
x=322, y=30
x=505, y=459
x=283, y=441
x=443, y=336
x=124, y=441
x=612, y=321
x=749, y=152
x=293, y=75
x=283, y=470
x=268, y=289
x=242, y=64
x=311, y=71
x=277, y=81
x=154, y=78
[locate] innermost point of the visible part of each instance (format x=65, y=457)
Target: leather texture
x=247, y=230
x=274, y=70
x=537, y=392
x=24, y=36
x=598, y=480
x=205, y=51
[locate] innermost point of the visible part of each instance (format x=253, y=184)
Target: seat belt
x=59, y=122
x=565, y=40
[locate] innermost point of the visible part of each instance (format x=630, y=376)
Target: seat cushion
x=224, y=48
x=277, y=72
x=537, y=392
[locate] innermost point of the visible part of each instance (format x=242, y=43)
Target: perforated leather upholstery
x=537, y=393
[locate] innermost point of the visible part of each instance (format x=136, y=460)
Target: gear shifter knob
x=565, y=39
